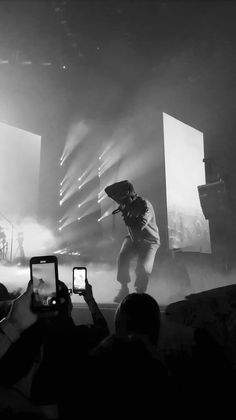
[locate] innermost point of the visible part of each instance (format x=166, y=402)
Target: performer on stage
x=142, y=240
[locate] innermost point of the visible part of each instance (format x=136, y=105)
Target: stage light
x=26, y=62
x=102, y=198
x=78, y=218
x=100, y=158
x=99, y=219
x=60, y=202
x=79, y=179
x=79, y=205
x=61, y=193
x=63, y=67
x=60, y=228
x=61, y=163
x=101, y=192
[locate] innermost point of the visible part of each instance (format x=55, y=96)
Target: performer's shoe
x=124, y=291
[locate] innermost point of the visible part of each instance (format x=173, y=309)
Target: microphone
x=117, y=210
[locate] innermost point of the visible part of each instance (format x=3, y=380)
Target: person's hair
x=139, y=314
x=63, y=293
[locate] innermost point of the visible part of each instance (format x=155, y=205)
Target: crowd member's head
x=138, y=314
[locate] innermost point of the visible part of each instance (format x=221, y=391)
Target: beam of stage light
x=112, y=159
x=102, y=198
x=101, y=193
x=90, y=197
x=90, y=176
x=58, y=251
x=76, y=135
x=120, y=146
x=73, y=189
x=106, y=214
x=69, y=216
x=107, y=148
x=87, y=210
x=62, y=219
x=87, y=170
x=69, y=176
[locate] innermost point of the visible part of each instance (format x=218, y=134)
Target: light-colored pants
x=145, y=251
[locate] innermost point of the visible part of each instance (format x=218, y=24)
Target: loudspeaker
x=213, y=198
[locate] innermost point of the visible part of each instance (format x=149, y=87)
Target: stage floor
x=171, y=279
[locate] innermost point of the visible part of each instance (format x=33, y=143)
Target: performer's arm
x=144, y=219
x=138, y=219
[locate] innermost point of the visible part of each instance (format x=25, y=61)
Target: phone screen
x=79, y=276
x=44, y=284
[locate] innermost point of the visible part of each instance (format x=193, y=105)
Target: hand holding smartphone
x=79, y=277
x=44, y=276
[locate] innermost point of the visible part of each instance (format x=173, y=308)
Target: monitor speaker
x=213, y=198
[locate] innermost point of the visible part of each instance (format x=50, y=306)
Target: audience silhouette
x=50, y=367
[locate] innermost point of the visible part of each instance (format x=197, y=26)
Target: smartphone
x=79, y=276
x=44, y=276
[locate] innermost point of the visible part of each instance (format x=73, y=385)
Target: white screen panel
x=19, y=172
x=184, y=153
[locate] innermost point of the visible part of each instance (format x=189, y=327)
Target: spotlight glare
x=79, y=205
x=79, y=179
x=78, y=218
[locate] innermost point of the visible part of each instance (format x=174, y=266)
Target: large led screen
x=19, y=173
x=184, y=169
